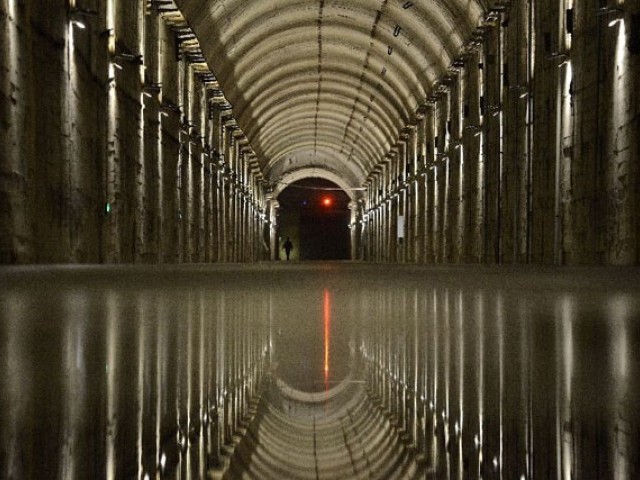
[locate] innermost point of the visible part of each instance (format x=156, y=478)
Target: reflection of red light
x=327, y=328
x=326, y=201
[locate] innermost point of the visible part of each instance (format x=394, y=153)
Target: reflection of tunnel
x=314, y=213
x=192, y=373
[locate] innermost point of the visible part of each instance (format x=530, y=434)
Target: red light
x=326, y=201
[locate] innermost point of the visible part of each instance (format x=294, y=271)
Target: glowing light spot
x=327, y=201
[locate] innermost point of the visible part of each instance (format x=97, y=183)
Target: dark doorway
x=314, y=214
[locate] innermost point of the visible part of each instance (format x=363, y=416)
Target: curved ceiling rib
x=257, y=80
x=385, y=109
x=293, y=176
x=299, y=91
x=390, y=85
x=304, y=137
x=333, y=133
x=335, y=41
x=338, y=112
x=328, y=83
x=322, y=159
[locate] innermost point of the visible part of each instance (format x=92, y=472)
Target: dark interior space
x=314, y=214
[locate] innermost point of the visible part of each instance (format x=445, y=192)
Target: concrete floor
x=364, y=371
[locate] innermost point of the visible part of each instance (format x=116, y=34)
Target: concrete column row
x=154, y=388
x=527, y=150
x=114, y=150
x=454, y=372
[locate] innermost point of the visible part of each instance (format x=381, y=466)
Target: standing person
x=288, y=246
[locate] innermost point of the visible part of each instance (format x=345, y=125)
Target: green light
x=108, y=208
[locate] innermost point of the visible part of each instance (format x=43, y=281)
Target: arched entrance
x=314, y=214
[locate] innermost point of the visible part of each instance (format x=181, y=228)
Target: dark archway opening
x=314, y=214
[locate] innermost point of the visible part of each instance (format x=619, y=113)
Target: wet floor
x=153, y=372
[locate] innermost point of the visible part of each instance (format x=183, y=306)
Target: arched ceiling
x=328, y=83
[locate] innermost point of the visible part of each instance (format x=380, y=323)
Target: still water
x=149, y=372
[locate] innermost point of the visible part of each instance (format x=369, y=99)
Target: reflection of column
x=246, y=226
x=111, y=406
x=622, y=367
x=223, y=203
x=235, y=241
x=273, y=209
x=564, y=386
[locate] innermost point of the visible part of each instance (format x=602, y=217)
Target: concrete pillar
x=394, y=208
x=200, y=107
x=234, y=240
x=16, y=240
x=543, y=175
x=493, y=117
x=384, y=225
x=228, y=208
x=272, y=225
x=184, y=197
x=353, y=230
x=403, y=201
x=412, y=194
x=208, y=207
x=379, y=216
x=473, y=168
x=453, y=150
x=429, y=182
x=152, y=205
x=515, y=96
x=387, y=221
x=420, y=204
x=374, y=220
x=441, y=179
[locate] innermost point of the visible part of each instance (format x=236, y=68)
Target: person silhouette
x=288, y=246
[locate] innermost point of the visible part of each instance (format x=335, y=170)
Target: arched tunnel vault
x=311, y=76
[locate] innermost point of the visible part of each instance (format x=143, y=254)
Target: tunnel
x=319, y=239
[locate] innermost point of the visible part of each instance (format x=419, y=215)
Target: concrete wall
x=526, y=152
x=107, y=158
x=530, y=146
